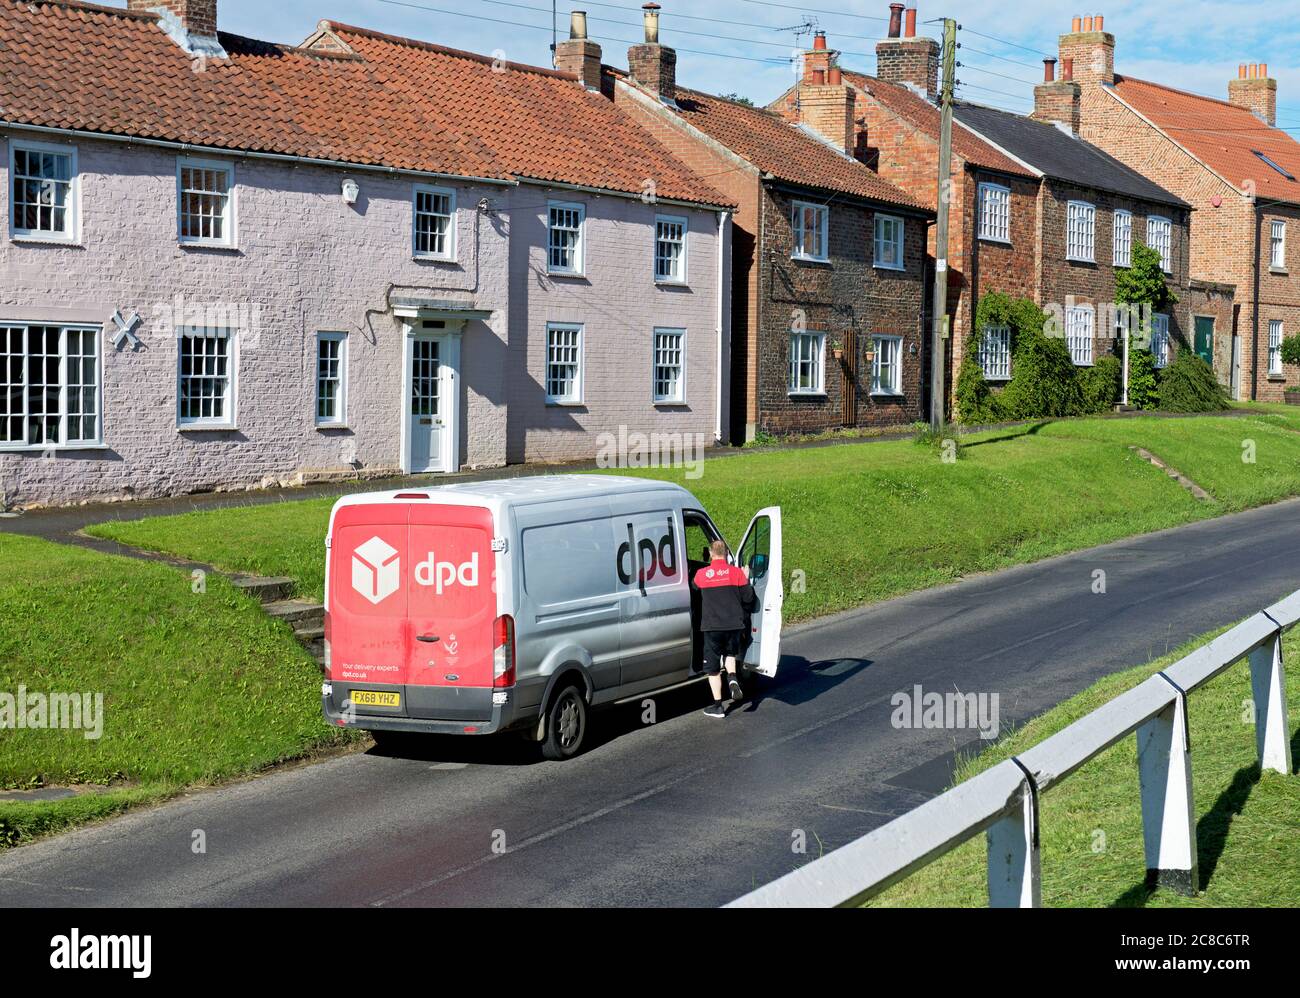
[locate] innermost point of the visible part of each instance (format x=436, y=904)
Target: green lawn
x=865, y=522
x=1248, y=827
x=196, y=686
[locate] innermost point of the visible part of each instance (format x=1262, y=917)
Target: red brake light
x=503, y=652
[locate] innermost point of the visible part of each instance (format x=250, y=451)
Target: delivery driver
x=726, y=601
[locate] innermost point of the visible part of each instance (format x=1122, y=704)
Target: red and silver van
x=524, y=603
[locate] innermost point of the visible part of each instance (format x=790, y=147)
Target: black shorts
x=718, y=645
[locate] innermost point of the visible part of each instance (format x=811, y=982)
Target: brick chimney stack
x=908, y=59
x=1056, y=100
x=652, y=65
x=191, y=24
x=825, y=100
x=1091, y=49
x=578, y=54
x=1254, y=90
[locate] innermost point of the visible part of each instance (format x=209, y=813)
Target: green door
x=1205, y=338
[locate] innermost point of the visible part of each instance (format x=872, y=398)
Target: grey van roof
x=509, y=491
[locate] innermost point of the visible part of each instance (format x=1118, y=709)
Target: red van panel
x=369, y=631
x=412, y=605
x=451, y=597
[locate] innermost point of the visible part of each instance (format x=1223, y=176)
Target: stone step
x=308, y=633
x=298, y=612
x=264, y=589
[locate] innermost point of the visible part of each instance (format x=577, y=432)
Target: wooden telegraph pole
x=938, y=386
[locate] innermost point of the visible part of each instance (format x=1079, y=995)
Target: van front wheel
x=566, y=724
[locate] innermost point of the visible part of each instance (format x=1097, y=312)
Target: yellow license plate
x=375, y=698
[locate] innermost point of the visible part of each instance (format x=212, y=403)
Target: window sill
x=188, y=245
x=1280, y=271
x=824, y=261
x=669, y=403
x=998, y=380
x=564, y=403
x=664, y=282
x=333, y=426
x=886, y=395
x=57, y=448
x=1080, y=259
x=807, y=395
x=35, y=240
x=1276, y=377
x=889, y=266
x=573, y=274
x=206, y=428
x=432, y=258
x=996, y=240
x=1083, y=363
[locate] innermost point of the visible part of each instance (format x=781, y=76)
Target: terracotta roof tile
x=770, y=142
x=1223, y=136
x=391, y=102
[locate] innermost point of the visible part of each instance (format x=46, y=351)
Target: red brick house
x=1240, y=173
x=1015, y=185
x=828, y=256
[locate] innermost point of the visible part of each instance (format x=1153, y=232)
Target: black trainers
x=737, y=691
x=715, y=710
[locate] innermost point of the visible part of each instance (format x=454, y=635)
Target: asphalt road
x=686, y=811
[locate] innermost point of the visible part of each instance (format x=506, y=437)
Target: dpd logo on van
x=376, y=569
x=650, y=559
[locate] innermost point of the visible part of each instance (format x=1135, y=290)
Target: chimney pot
x=1076, y=24
x=818, y=77
x=835, y=77
x=895, y=19
x=1067, y=69
x=1241, y=70
x=910, y=30
x=651, y=18
x=578, y=25
x=1099, y=22
x=1263, y=70
x=819, y=41
x=1087, y=23
x=1049, y=70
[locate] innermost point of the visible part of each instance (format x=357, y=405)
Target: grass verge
x=196, y=687
x=1248, y=824
x=866, y=522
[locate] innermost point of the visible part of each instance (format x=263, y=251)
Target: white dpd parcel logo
x=376, y=569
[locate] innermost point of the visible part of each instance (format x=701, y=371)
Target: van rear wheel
x=566, y=724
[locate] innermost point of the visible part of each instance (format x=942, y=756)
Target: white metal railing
x=1003, y=800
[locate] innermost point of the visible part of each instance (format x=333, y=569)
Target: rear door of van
x=452, y=606
x=366, y=622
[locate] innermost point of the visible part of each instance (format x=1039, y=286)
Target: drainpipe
x=1254, y=317
x=724, y=292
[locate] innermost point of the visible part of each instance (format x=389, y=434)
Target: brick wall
x=1063, y=281
x=1222, y=233
x=848, y=299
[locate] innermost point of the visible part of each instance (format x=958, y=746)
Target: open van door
x=760, y=552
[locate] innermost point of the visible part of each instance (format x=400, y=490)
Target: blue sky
x=744, y=46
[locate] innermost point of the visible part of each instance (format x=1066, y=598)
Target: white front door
x=428, y=405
